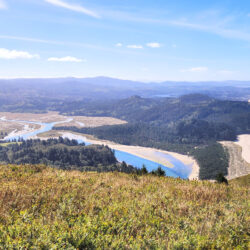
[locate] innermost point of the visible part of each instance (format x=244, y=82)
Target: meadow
x=46, y=208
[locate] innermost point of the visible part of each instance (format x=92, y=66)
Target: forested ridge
x=168, y=111
x=64, y=154
x=191, y=124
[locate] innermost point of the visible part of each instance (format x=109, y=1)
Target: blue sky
x=144, y=40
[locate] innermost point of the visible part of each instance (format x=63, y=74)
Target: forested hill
x=191, y=124
x=64, y=154
x=169, y=111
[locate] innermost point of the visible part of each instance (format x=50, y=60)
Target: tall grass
x=45, y=208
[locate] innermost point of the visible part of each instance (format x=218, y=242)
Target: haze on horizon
x=134, y=39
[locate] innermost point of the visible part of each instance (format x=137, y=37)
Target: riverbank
x=150, y=154
x=27, y=129
x=175, y=164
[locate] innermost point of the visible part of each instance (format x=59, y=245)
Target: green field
x=45, y=208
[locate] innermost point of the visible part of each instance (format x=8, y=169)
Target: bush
x=159, y=172
x=220, y=178
x=144, y=170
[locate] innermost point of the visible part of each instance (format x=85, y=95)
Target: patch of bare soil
x=237, y=165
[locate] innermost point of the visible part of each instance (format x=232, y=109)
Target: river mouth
x=171, y=165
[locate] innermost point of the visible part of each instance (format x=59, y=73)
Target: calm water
x=179, y=170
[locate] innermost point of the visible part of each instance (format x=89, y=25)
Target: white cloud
x=3, y=4
x=195, y=69
x=174, y=46
x=15, y=54
x=66, y=59
x=118, y=45
x=73, y=7
x=154, y=45
x=135, y=46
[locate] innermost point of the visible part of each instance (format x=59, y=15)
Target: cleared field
x=46, y=117
x=49, y=134
x=78, y=121
x=85, y=121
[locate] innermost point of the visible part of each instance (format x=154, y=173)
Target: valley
x=124, y=125
x=29, y=125
x=174, y=164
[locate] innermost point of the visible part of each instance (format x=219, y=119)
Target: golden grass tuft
x=41, y=207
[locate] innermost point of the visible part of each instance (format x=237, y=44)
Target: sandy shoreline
x=143, y=152
x=150, y=154
x=237, y=165
x=26, y=130
x=244, y=143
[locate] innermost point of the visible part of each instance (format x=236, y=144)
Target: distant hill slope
x=163, y=111
x=44, y=208
x=42, y=94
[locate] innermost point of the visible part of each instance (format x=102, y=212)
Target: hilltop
x=42, y=207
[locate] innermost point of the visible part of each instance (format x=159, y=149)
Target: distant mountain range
x=111, y=88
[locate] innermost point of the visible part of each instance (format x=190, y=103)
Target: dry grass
x=46, y=208
x=77, y=121
x=45, y=117
x=85, y=121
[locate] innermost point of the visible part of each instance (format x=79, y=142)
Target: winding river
x=179, y=170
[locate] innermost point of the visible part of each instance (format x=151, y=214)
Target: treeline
x=193, y=133
x=191, y=139
x=182, y=137
x=64, y=154
x=213, y=160
x=166, y=111
x=191, y=124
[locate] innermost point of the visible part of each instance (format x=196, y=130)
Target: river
x=179, y=170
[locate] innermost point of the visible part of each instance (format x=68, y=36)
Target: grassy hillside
x=46, y=208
